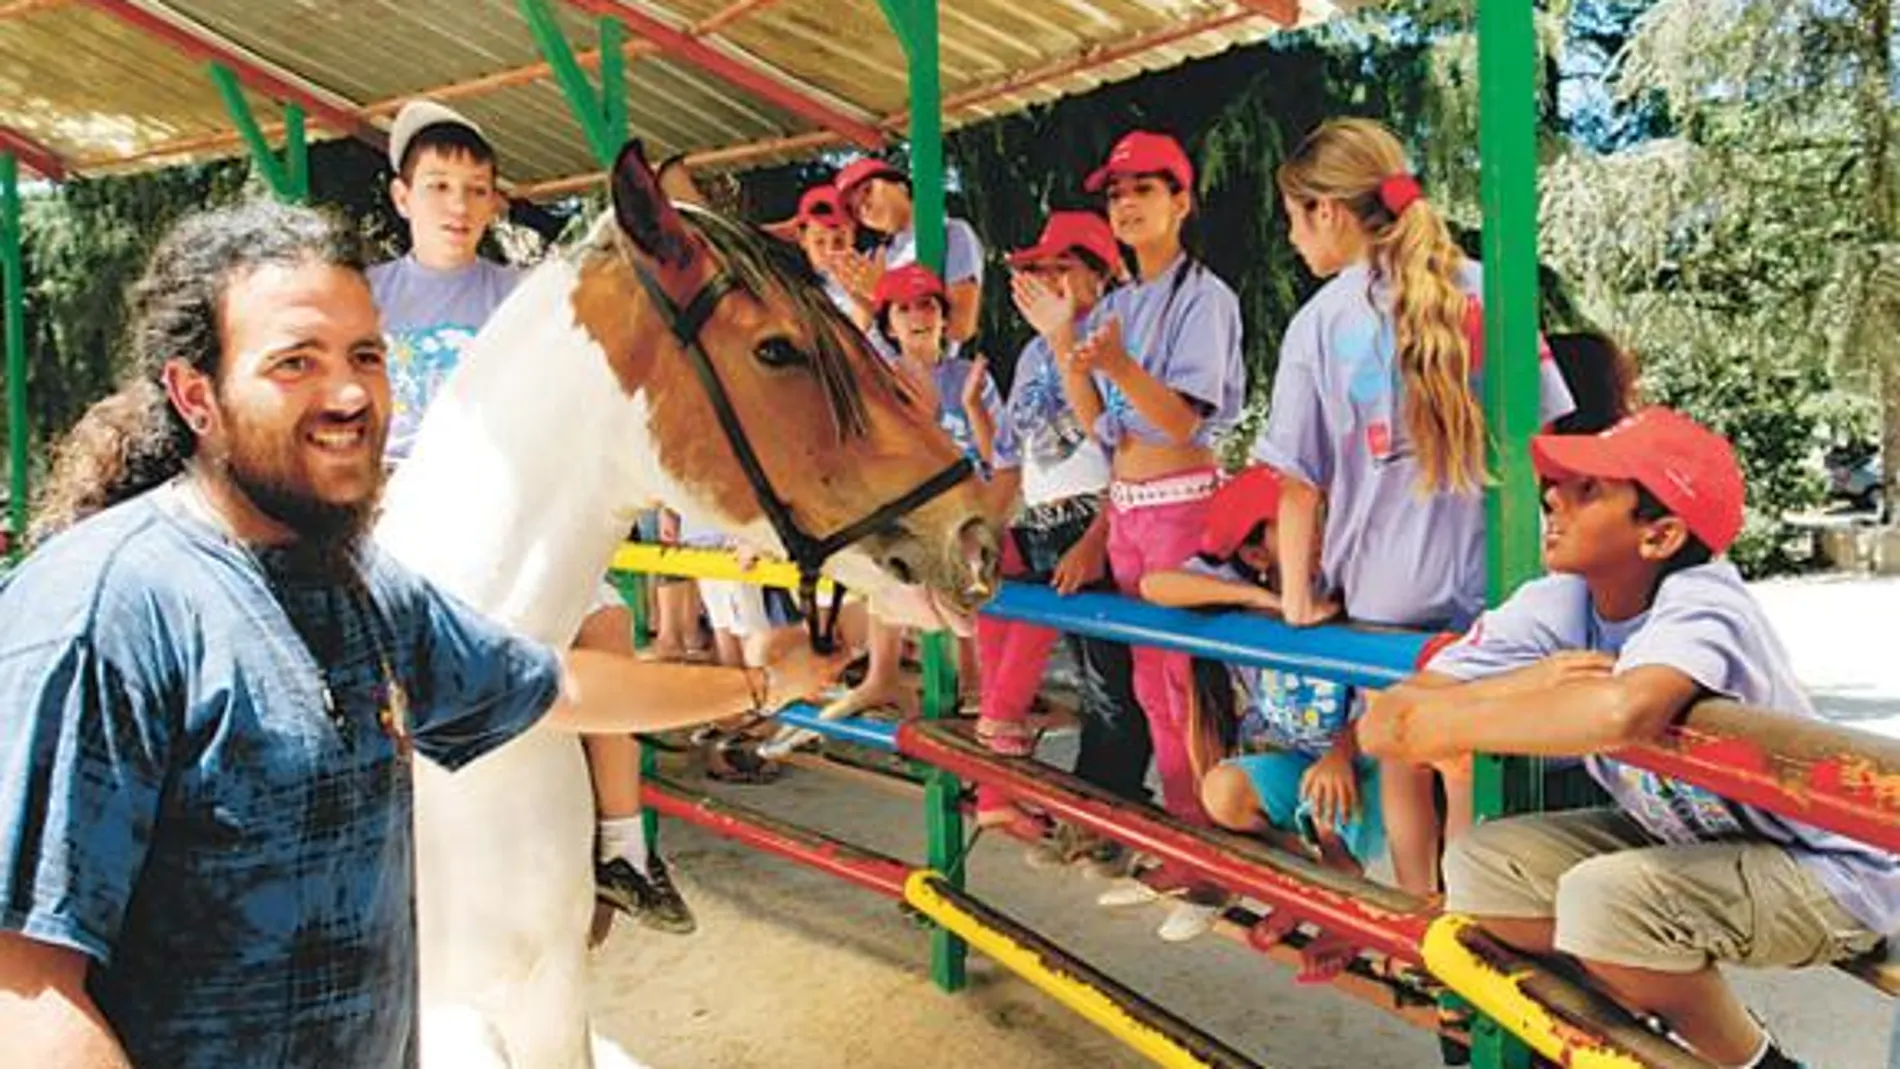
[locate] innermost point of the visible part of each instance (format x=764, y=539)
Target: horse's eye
x=780, y=352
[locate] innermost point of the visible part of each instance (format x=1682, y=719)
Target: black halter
x=807, y=551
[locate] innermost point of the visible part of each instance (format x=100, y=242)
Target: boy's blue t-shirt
x=429, y=317
x=203, y=787
x=1284, y=710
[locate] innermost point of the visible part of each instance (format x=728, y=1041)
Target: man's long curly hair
x=134, y=439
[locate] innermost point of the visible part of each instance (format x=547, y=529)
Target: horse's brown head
x=837, y=434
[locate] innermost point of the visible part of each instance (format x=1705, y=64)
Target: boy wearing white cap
x=434, y=300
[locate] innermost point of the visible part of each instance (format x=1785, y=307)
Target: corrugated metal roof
x=738, y=83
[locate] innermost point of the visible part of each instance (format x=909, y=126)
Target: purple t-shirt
x=1183, y=327
x=1039, y=432
x=962, y=251
x=949, y=376
x=429, y=316
x=1337, y=422
x=1706, y=625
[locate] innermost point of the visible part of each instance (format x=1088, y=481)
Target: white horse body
x=528, y=470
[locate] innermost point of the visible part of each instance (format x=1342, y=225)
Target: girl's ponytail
x=1359, y=164
x=1442, y=414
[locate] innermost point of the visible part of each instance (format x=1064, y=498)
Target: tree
x=1715, y=238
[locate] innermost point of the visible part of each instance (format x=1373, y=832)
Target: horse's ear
x=676, y=181
x=644, y=212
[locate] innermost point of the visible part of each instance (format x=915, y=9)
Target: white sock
x=627, y=838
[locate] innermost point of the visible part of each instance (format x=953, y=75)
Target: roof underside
x=106, y=86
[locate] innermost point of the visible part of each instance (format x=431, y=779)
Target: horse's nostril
x=900, y=568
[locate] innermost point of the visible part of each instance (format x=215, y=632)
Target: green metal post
x=296, y=156
x=603, y=113
x=915, y=23
x=1507, y=149
x=943, y=819
x=14, y=270
x=288, y=178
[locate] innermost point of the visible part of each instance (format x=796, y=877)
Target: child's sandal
x=1007, y=738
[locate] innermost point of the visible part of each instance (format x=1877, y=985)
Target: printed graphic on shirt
x=1043, y=419
x=419, y=363
x=1673, y=811
x=1296, y=712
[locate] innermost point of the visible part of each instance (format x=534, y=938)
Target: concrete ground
x=793, y=969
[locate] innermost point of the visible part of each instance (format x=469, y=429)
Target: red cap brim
x=1035, y=254
x=1097, y=179
x=1565, y=456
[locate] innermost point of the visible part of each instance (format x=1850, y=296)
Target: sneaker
x=649, y=898
x=1128, y=892
x=1188, y=920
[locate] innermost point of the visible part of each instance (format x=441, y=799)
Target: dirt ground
x=792, y=969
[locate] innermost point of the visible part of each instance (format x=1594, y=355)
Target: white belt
x=1169, y=490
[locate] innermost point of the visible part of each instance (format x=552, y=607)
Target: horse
x=671, y=354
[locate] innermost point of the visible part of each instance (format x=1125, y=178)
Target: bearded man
x=211, y=684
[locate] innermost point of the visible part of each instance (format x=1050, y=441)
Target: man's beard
x=269, y=474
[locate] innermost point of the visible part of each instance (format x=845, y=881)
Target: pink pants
x=1011, y=655
x=1151, y=539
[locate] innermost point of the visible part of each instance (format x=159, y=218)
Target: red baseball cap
x=818, y=206
x=1242, y=503
x=1144, y=152
x=910, y=282
x=1689, y=468
x=1072, y=230
x=858, y=172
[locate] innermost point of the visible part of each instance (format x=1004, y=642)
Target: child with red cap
x=1376, y=424
x=1155, y=371
x=1637, y=622
x=1310, y=783
x=877, y=195
x=826, y=234
x=1059, y=536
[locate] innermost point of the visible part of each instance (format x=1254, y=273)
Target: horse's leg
x=504, y=896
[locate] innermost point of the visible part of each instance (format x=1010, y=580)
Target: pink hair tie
x=1397, y=192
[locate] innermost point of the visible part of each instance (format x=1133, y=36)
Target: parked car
x=1854, y=475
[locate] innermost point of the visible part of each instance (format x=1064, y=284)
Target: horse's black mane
x=763, y=265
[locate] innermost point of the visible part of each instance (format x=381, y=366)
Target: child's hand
x=669, y=527
x=1102, y=350
x=1331, y=787
x=1083, y=564
x=1050, y=310
x=859, y=272
x=747, y=556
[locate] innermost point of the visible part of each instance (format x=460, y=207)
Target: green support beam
x=943, y=816
x=288, y=177
x=14, y=270
x=915, y=23
x=1507, y=149
x=602, y=112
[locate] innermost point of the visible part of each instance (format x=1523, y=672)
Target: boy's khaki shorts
x=1620, y=897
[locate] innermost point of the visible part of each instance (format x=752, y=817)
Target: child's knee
x=1229, y=797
